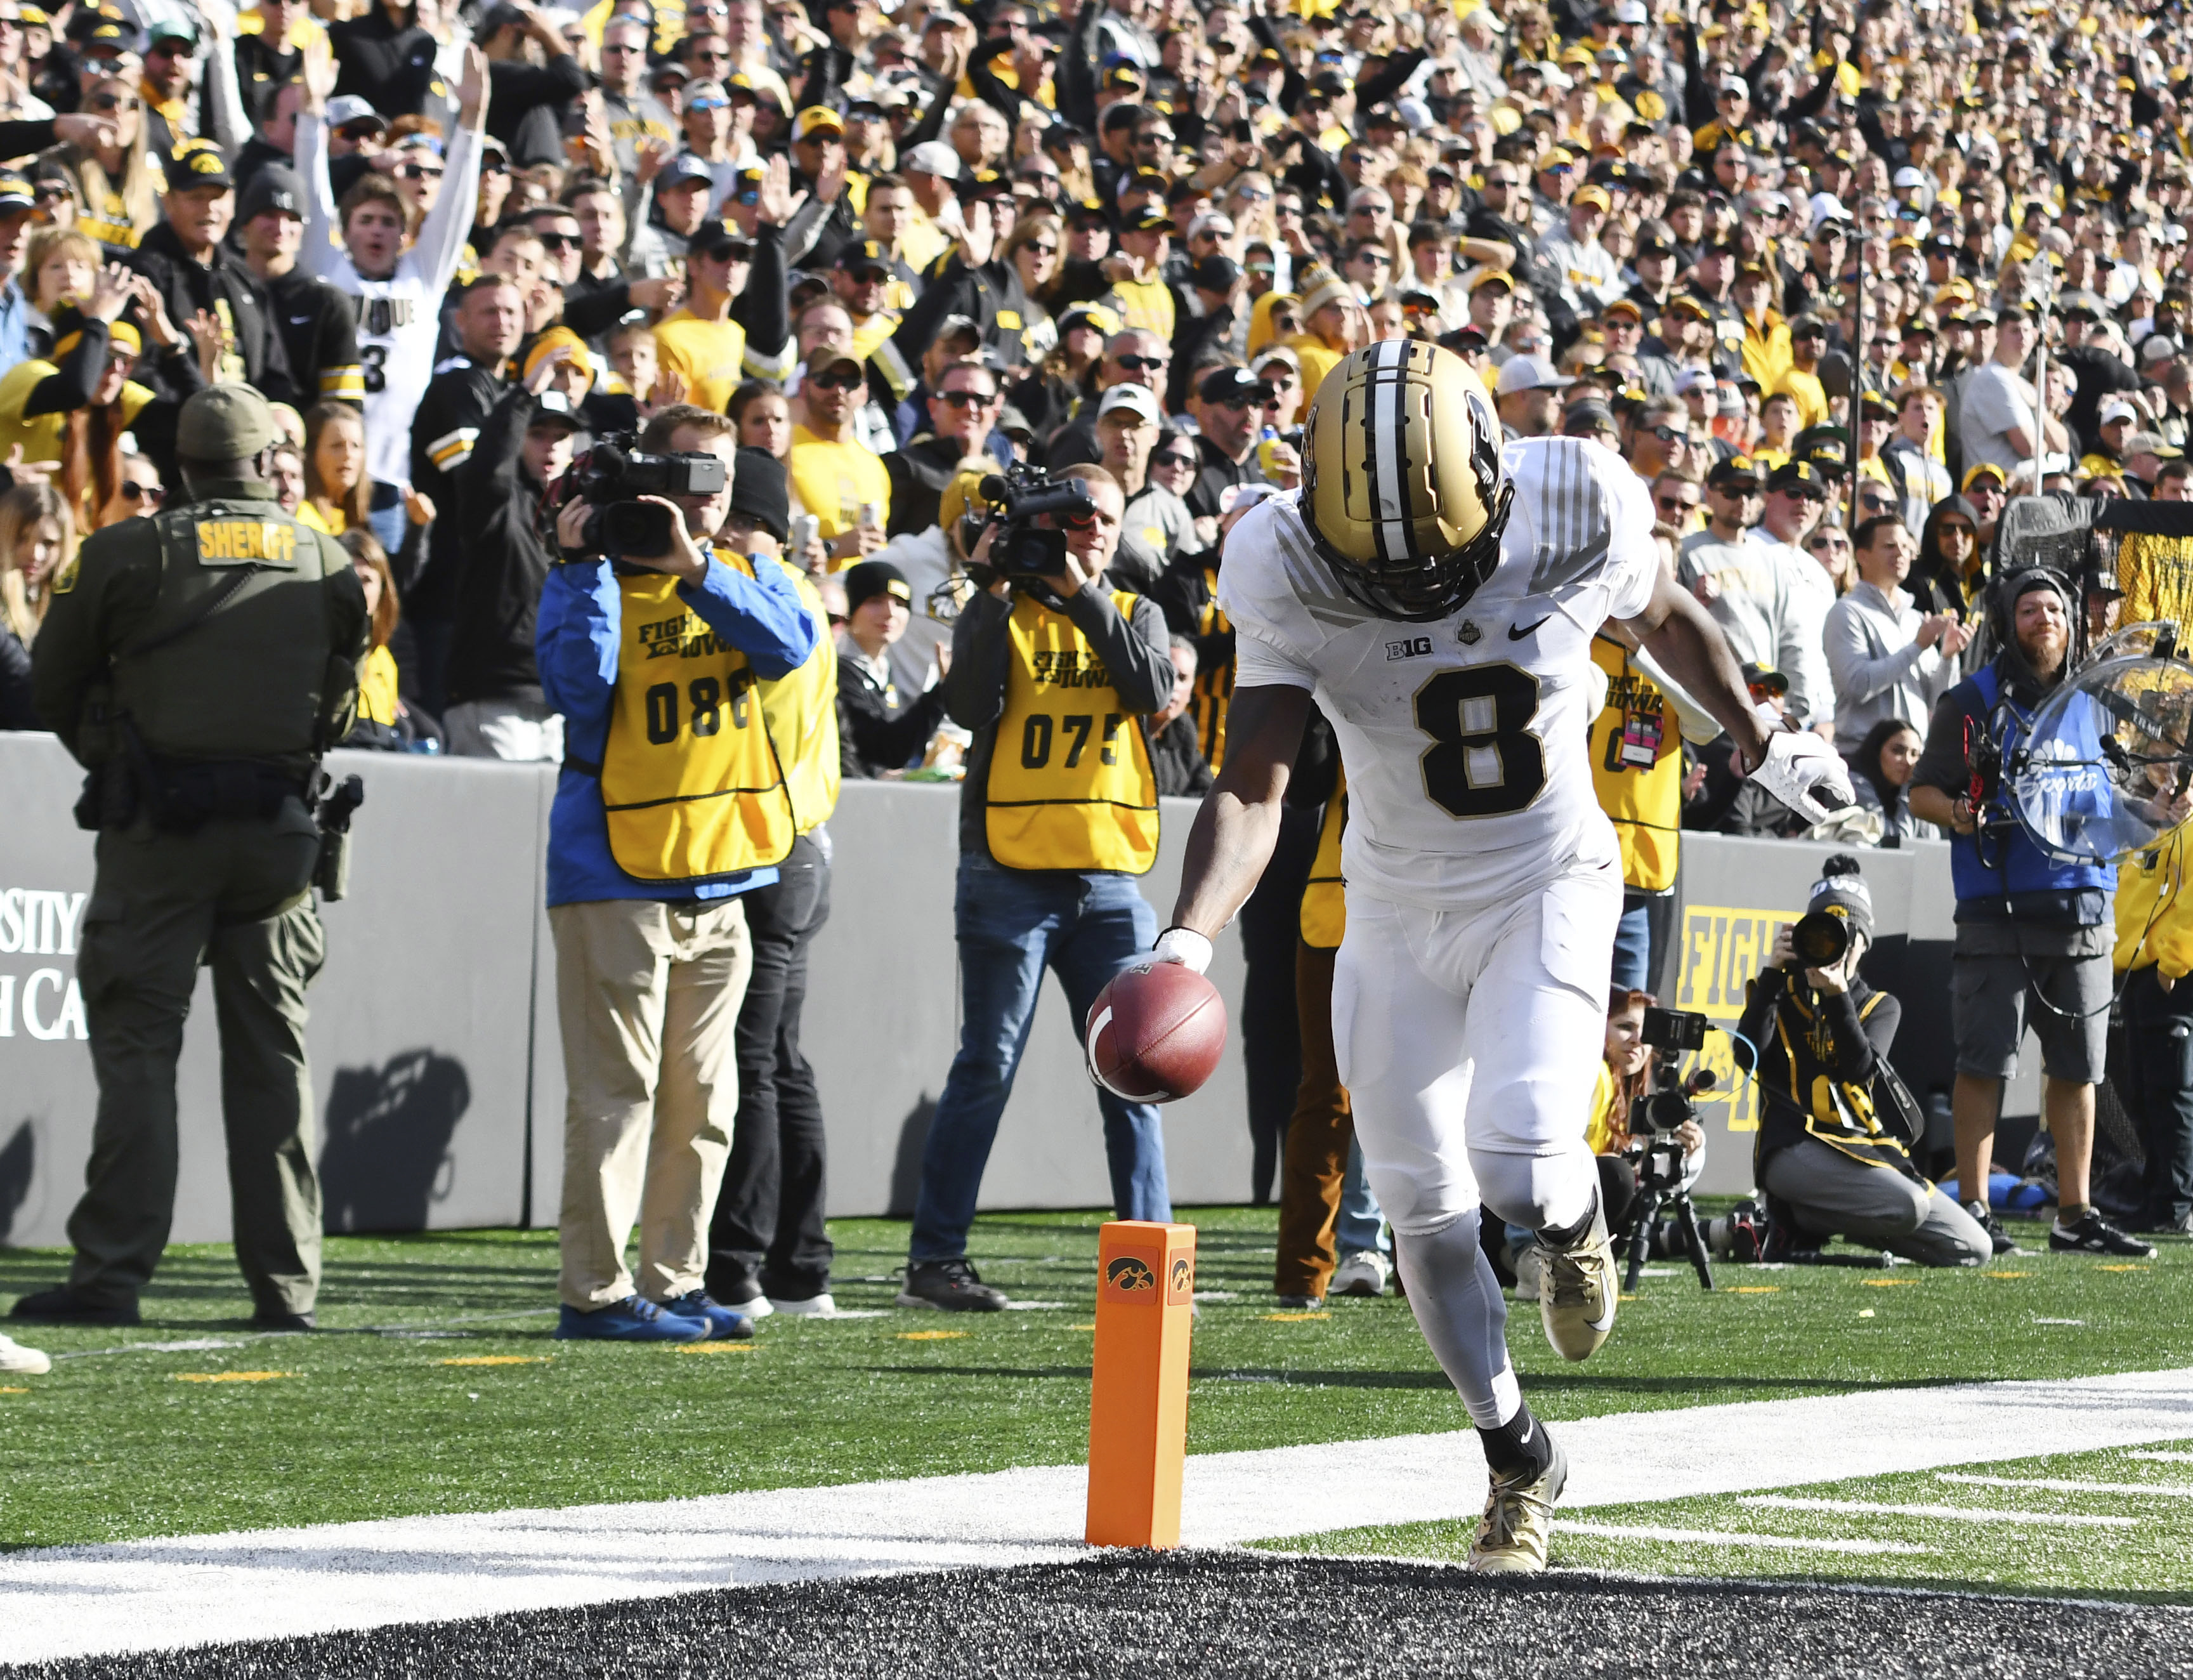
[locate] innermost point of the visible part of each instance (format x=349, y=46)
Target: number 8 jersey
x=1466, y=740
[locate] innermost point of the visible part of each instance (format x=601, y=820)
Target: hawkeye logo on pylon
x=1183, y=1278
x=1129, y=1276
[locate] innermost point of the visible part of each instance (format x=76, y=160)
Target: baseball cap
x=1587, y=419
x=1487, y=276
x=866, y=255
x=1908, y=176
x=558, y=338
x=1623, y=306
x=1138, y=398
x=16, y=192
x=1233, y=384
x=1215, y=273
x=1756, y=676
x=198, y=166
x=225, y=423
x=2112, y=412
x=934, y=158
x=1591, y=195
x=718, y=238
x=1738, y=470
x=1150, y=219
x=345, y=109
x=1800, y=475
x=1530, y=373
x=1096, y=314
x=816, y=119
x=683, y=168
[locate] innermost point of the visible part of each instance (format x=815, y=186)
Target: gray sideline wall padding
x=438, y=1072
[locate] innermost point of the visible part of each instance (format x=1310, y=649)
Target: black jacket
x=445, y=434
x=317, y=326
x=919, y=474
x=223, y=285
x=878, y=729
x=1821, y=1063
x=389, y=65
x=505, y=563
x=17, y=710
x=526, y=103
x=1177, y=758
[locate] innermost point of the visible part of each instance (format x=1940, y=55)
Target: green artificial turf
x=367, y=1421
x=2150, y=1560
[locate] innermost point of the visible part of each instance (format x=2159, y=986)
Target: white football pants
x=1470, y=1040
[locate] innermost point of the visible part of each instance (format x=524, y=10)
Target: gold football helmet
x=1402, y=489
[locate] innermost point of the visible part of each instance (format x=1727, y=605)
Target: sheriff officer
x=198, y=663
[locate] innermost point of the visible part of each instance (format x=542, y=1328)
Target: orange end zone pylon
x=1138, y=1398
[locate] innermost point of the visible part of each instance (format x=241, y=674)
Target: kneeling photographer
x=1055, y=674
x=662, y=616
x=1836, y=1122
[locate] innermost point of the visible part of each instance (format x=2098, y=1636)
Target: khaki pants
x=647, y=995
x=1318, y=1137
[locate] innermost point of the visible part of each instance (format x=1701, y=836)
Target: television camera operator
x=652, y=635
x=1837, y=1124
x=2034, y=932
x=1055, y=673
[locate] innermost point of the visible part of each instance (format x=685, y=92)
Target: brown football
x=1155, y=1033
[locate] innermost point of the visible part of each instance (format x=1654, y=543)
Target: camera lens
x=1819, y=939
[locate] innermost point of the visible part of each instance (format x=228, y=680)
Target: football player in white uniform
x=1437, y=594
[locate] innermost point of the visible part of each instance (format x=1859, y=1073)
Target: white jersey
x=399, y=319
x=1465, y=740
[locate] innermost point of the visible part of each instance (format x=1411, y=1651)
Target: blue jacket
x=2000, y=873
x=576, y=637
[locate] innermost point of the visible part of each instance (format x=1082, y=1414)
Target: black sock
x=1519, y=1444
x=1567, y=1236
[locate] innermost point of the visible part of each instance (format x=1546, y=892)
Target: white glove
x=1184, y=946
x=1804, y=772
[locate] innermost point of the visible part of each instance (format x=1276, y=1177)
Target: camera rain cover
x=2105, y=756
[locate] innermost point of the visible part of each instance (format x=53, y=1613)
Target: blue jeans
x=387, y=515
x=1012, y=924
x=1360, y=1224
x=1632, y=945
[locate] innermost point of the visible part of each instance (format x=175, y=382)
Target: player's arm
x=1239, y=825
x=1683, y=639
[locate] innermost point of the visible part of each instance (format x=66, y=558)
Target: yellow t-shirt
x=831, y=480
x=1146, y=304
x=376, y=685
x=709, y=356
x=41, y=434
x=334, y=523
x=1318, y=358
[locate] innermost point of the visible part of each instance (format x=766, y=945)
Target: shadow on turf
x=1541, y=1382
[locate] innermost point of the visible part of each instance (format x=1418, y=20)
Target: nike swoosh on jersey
x=1517, y=631
x=299, y=320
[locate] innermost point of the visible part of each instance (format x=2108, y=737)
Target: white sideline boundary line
x=169, y=1592
x=1735, y=1538
x=2159, y=1490
x=1940, y=1513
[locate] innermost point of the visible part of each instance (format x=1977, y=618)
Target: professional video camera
x=1653, y=1122
x=1022, y=551
x=611, y=477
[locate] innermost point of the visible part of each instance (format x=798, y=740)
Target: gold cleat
x=1579, y=1291
x=1518, y=1524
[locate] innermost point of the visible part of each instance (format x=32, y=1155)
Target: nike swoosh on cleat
x=1601, y=1325
x=1524, y=1440
x=1517, y=631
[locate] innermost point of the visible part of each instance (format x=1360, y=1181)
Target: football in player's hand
x=1155, y=1033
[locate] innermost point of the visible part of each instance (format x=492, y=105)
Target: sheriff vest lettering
x=1637, y=770
x=1070, y=785
x=690, y=781
x=263, y=542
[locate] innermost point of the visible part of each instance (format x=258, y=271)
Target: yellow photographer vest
x=801, y=710
x=1637, y=770
x=1324, y=899
x=691, y=785
x=1070, y=785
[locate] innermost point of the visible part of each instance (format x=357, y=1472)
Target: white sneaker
x=1530, y=1271
x=18, y=1361
x=1513, y=1534
x=759, y=1307
x=1365, y=1272
x=815, y=1306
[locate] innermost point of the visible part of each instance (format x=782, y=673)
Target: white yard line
x=1730, y=1536
x=1942, y=1513
x=191, y=1589
x=2163, y=1457
x=2160, y=1490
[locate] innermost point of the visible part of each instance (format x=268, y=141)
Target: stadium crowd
x=1835, y=281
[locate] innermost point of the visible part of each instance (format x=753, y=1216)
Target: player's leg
x=1538, y=1009
x=1396, y=1036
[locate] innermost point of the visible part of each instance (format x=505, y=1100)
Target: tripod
x=1653, y=1195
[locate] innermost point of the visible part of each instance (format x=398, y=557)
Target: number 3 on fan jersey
x=1484, y=760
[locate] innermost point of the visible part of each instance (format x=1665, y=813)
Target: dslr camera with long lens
x=1024, y=552
x=611, y=477
x=1818, y=939
x=1653, y=1122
